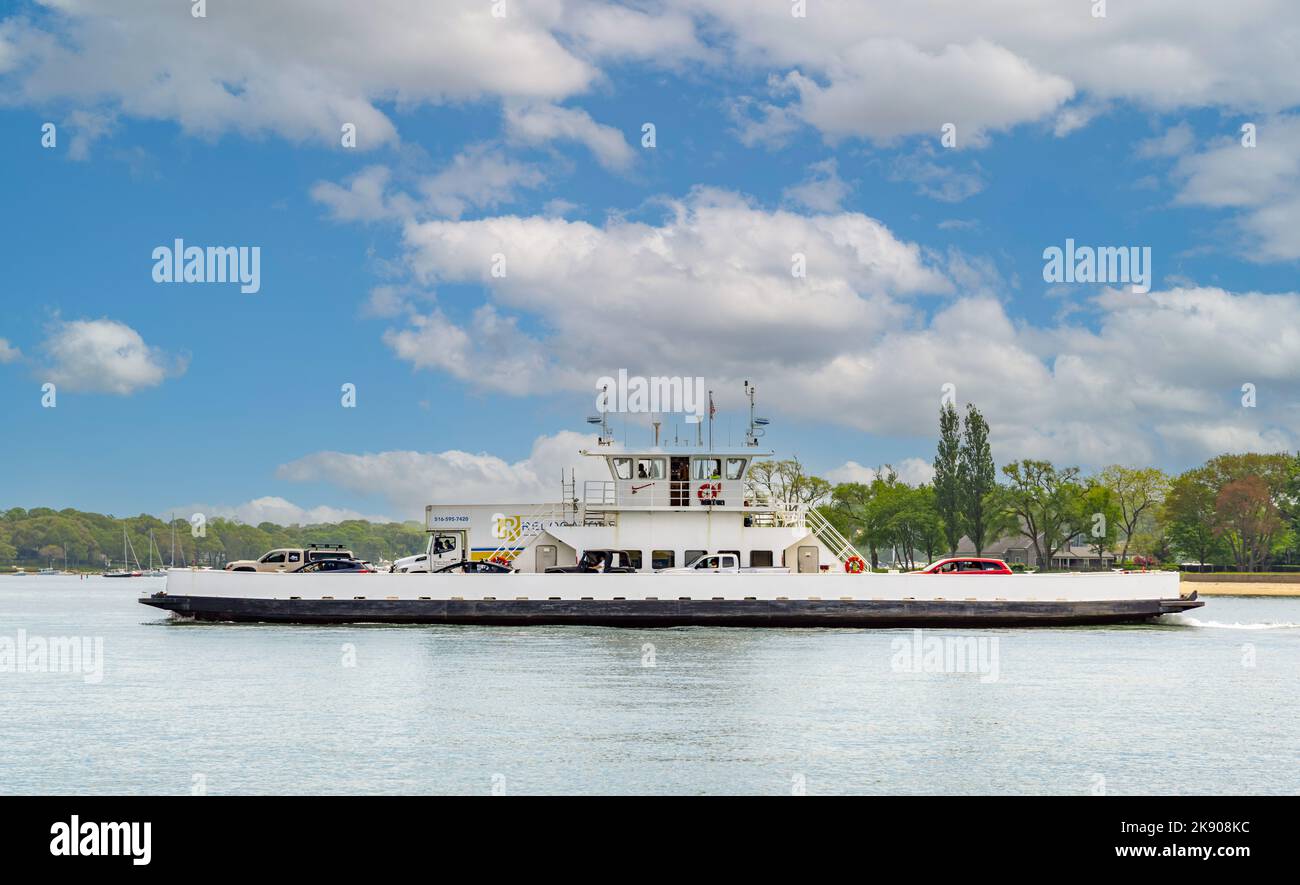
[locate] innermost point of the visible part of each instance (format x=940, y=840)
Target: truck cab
x=444, y=548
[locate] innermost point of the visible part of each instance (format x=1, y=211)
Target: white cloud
x=760, y=123
x=822, y=191
x=299, y=69
x=535, y=124
x=559, y=207
x=105, y=356
x=908, y=68
x=87, y=127
x=697, y=290
x=303, y=67
x=409, y=480
x=479, y=177
x=914, y=471
x=1076, y=116
x=884, y=88
x=708, y=292
x=619, y=33
x=1198, y=438
x=491, y=353
x=1174, y=142
x=280, y=512
x=1264, y=181
x=936, y=180
x=365, y=198
x=9, y=353
x=385, y=301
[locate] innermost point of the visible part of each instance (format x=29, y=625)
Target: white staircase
x=831, y=537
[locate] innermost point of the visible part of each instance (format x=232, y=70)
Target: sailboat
x=152, y=572
x=173, y=565
x=125, y=571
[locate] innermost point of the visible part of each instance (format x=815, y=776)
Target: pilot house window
x=708, y=468
x=735, y=468
x=622, y=468
x=650, y=468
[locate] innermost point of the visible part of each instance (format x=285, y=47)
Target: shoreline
x=1241, y=588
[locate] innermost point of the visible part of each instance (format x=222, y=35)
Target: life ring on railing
x=854, y=565
x=708, y=491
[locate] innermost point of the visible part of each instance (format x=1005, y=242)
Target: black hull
x=669, y=613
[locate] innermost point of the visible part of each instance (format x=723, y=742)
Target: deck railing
x=635, y=494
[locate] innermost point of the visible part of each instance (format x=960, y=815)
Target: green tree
x=947, y=475
x=1137, y=491
x=1247, y=520
x=863, y=510
x=977, y=479
x=36, y=536
x=1188, y=516
x=1102, y=518
x=787, y=482
x=1046, y=504
x=929, y=525
x=1277, y=471
x=847, y=511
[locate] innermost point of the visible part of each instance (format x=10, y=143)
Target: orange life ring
x=708, y=490
x=854, y=565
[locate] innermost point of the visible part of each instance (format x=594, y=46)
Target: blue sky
x=774, y=135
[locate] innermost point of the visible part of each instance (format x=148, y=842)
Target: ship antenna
x=602, y=419
x=711, y=411
x=756, y=425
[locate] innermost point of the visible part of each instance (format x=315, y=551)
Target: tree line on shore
x=42, y=536
x=1236, y=510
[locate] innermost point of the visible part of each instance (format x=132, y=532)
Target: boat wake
x=1189, y=621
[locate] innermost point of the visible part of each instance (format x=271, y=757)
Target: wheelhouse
x=674, y=480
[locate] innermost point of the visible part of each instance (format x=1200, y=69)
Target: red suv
x=967, y=565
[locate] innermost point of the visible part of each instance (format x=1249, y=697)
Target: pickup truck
x=721, y=564
x=290, y=559
x=597, y=561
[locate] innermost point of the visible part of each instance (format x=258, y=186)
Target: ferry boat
x=659, y=511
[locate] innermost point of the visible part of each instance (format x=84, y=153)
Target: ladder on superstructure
x=839, y=545
x=510, y=547
x=530, y=527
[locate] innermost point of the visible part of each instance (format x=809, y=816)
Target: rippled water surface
x=1204, y=704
